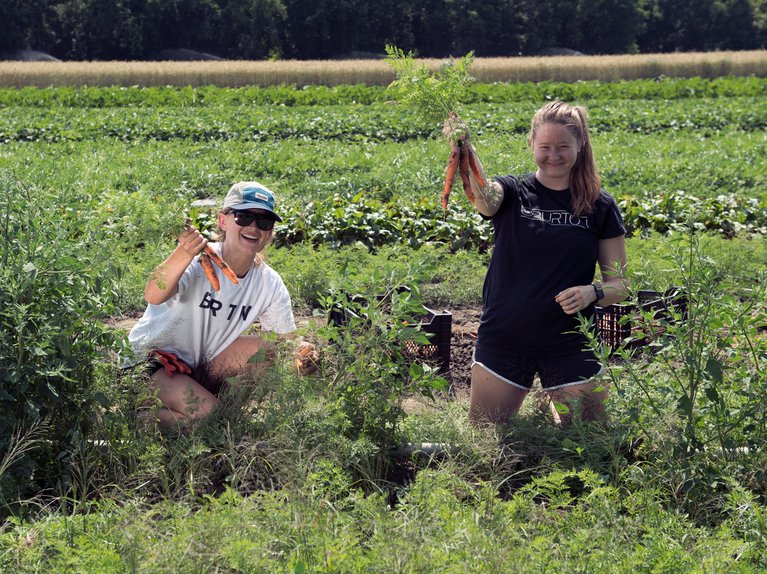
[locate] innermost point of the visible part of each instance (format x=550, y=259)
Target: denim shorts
x=554, y=370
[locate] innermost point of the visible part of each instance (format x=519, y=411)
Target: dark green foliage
x=371, y=370
x=697, y=25
x=295, y=29
x=53, y=346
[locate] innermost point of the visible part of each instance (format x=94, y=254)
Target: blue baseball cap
x=250, y=195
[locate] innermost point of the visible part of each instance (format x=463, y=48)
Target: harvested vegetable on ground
x=435, y=96
x=306, y=358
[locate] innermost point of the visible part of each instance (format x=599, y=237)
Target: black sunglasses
x=264, y=221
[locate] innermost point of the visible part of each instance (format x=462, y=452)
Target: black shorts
x=554, y=370
x=199, y=374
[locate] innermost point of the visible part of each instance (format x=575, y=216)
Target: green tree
x=318, y=28
x=732, y=27
x=97, y=29
x=21, y=22
x=689, y=25
x=759, y=10
x=552, y=24
x=608, y=26
x=252, y=29
x=191, y=24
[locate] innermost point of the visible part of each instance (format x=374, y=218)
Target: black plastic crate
x=623, y=325
x=437, y=326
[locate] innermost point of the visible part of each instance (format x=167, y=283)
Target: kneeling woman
x=551, y=227
x=193, y=335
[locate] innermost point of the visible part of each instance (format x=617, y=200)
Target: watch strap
x=600, y=293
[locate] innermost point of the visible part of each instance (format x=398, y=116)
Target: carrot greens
x=433, y=95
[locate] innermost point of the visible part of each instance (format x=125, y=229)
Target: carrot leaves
x=432, y=94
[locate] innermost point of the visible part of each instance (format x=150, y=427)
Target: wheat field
x=377, y=71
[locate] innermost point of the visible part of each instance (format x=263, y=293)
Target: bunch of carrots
x=462, y=160
x=434, y=94
x=207, y=258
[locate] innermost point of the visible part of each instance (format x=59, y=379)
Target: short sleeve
x=278, y=316
x=511, y=186
x=610, y=217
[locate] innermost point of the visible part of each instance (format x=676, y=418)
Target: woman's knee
x=491, y=398
x=586, y=400
x=246, y=353
x=184, y=395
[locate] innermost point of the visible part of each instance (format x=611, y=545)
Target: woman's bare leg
x=182, y=397
x=233, y=360
x=587, y=399
x=492, y=399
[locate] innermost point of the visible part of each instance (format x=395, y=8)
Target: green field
x=302, y=475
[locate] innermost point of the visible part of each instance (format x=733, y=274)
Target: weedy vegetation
x=372, y=465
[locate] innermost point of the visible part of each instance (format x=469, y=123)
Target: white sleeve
x=278, y=316
x=190, y=274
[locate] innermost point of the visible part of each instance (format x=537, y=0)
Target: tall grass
x=378, y=72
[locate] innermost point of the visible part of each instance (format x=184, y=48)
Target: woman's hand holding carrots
x=306, y=359
x=163, y=282
x=455, y=129
x=192, y=241
x=463, y=159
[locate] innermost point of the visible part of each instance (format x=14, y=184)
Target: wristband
x=599, y=291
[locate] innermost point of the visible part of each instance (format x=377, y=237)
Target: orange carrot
x=475, y=167
x=452, y=168
x=218, y=260
x=464, y=171
x=207, y=266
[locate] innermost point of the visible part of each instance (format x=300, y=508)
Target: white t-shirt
x=198, y=323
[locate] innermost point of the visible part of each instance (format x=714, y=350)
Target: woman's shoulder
x=516, y=181
x=605, y=199
x=266, y=272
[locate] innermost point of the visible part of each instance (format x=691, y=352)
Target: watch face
x=599, y=291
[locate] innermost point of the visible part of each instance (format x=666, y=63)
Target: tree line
x=323, y=29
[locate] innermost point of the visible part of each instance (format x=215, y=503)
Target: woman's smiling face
x=555, y=150
x=247, y=237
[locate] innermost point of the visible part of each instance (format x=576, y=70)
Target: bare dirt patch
x=462, y=339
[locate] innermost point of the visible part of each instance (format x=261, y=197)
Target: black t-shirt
x=540, y=249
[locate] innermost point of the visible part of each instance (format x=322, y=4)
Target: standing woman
x=551, y=229
x=193, y=335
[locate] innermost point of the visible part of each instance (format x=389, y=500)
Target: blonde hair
x=585, y=183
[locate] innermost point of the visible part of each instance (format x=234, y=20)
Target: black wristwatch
x=599, y=291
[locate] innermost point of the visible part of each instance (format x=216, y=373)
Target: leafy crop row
x=355, y=122
x=348, y=220
x=202, y=97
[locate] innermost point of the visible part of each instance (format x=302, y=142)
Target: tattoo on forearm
x=491, y=194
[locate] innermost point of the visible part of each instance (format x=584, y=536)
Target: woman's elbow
x=155, y=297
